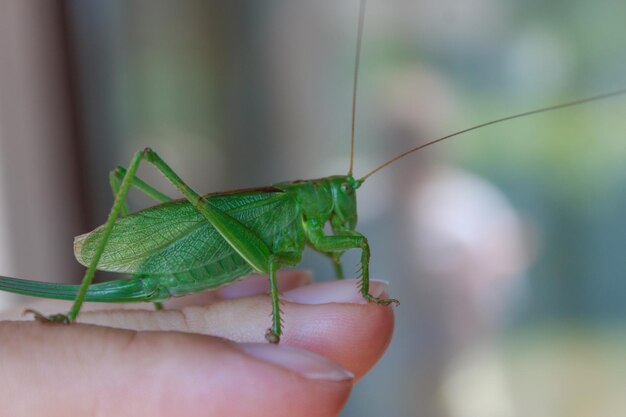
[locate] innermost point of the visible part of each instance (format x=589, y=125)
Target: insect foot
x=272, y=337
x=54, y=318
x=381, y=301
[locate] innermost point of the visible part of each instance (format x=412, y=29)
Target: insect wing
x=174, y=237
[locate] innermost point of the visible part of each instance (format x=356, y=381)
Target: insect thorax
x=327, y=199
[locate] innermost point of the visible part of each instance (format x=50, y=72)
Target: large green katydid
x=204, y=242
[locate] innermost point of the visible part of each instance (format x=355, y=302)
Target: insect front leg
x=341, y=243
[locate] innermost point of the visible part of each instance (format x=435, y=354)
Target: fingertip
x=339, y=327
x=355, y=336
x=306, y=364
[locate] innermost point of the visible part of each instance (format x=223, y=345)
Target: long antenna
x=356, y=78
x=492, y=122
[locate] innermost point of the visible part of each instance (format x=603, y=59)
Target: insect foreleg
x=341, y=243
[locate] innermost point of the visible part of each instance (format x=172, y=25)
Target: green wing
x=174, y=238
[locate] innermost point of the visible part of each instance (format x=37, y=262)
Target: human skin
x=204, y=355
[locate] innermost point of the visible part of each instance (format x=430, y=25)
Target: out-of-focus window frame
x=39, y=183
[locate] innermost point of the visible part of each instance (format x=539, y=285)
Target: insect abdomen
x=210, y=276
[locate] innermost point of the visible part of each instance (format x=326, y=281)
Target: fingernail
x=307, y=364
x=339, y=291
x=259, y=284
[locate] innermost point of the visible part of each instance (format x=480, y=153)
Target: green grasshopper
x=202, y=242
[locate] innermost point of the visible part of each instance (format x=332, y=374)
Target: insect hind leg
x=116, y=209
x=116, y=177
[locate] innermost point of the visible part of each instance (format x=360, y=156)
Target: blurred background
x=505, y=245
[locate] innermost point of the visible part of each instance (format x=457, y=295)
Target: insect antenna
x=356, y=78
x=492, y=122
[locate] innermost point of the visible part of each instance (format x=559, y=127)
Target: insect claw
x=381, y=301
x=272, y=337
x=54, y=318
x=36, y=315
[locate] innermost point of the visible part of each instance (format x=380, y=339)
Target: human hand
x=133, y=361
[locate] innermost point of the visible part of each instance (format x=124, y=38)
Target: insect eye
x=345, y=187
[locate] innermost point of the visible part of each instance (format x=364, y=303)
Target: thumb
x=89, y=370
